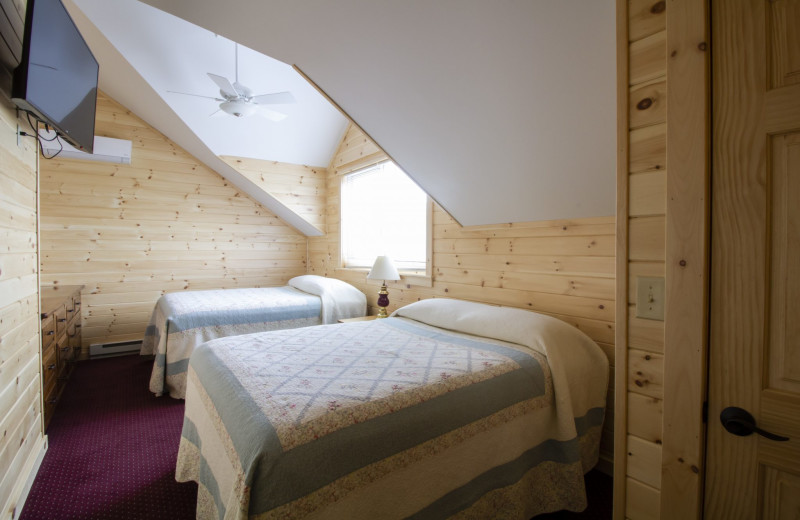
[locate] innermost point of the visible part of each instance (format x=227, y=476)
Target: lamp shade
x=383, y=269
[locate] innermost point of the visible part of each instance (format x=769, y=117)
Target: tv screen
x=56, y=79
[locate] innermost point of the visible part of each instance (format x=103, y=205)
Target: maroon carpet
x=113, y=447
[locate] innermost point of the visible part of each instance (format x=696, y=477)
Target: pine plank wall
x=662, y=193
x=21, y=436
x=561, y=268
x=646, y=254
x=130, y=233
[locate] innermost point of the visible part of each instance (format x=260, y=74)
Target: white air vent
x=106, y=149
x=121, y=348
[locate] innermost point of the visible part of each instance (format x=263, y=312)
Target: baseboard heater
x=121, y=348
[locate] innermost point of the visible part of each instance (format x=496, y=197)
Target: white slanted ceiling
x=503, y=111
x=139, y=75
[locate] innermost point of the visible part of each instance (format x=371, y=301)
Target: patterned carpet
x=113, y=448
x=112, y=452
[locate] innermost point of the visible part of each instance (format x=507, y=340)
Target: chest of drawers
x=61, y=340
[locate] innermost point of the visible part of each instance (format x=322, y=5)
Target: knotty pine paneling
x=562, y=268
x=638, y=432
x=22, y=440
x=164, y=223
x=298, y=187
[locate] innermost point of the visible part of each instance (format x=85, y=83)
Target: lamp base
x=383, y=302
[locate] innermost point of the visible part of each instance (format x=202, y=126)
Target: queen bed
x=446, y=409
x=183, y=320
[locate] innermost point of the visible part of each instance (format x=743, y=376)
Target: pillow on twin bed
x=339, y=299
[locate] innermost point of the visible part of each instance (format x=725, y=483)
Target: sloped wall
x=130, y=233
x=562, y=268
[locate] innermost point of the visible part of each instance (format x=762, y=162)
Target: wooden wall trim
x=621, y=337
x=687, y=235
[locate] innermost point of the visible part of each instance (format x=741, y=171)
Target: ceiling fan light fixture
x=238, y=108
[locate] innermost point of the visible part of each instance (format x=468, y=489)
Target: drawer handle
x=77, y=303
x=50, y=332
x=43, y=315
x=62, y=320
x=77, y=326
x=70, y=310
x=64, y=349
x=51, y=367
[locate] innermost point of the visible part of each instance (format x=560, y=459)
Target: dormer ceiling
x=503, y=111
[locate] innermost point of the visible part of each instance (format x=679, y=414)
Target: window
x=384, y=213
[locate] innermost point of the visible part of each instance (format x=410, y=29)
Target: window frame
x=418, y=277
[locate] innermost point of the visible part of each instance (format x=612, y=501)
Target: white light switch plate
x=650, y=298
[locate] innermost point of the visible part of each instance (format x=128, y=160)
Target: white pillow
x=340, y=300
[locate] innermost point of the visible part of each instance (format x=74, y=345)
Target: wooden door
x=755, y=258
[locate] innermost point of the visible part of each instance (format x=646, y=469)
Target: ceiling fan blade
x=278, y=98
x=195, y=95
x=271, y=114
x=216, y=112
x=224, y=85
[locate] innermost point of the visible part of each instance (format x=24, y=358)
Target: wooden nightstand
x=360, y=318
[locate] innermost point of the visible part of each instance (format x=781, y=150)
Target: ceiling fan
x=238, y=100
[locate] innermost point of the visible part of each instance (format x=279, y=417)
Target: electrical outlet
x=650, y=298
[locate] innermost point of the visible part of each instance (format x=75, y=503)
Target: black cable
x=39, y=137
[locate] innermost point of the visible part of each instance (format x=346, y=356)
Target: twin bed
x=183, y=320
x=446, y=409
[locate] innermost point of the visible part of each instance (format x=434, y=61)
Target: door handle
x=739, y=421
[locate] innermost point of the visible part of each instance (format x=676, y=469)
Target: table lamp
x=383, y=269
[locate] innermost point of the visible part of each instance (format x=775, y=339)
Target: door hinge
x=705, y=412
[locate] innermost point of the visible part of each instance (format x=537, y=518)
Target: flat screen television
x=56, y=79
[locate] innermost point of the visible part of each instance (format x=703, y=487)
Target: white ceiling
x=503, y=110
x=172, y=54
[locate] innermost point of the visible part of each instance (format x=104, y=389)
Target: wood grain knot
x=647, y=357
x=659, y=7
x=682, y=263
x=644, y=104
x=695, y=469
x=639, y=383
x=702, y=46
